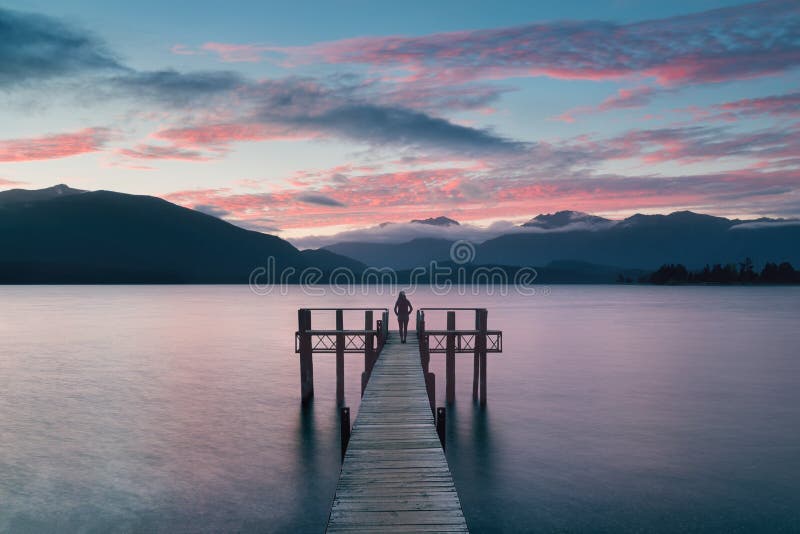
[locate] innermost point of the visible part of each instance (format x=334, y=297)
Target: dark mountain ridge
x=417, y=252
x=64, y=235
x=102, y=236
x=12, y=196
x=437, y=221
x=561, y=219
x=638, y=242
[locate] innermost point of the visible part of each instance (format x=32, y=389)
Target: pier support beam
x=476, y=359
x=339, y=358
x=441, y=426
x=369, y=354
x=306, y=360
x=424, y=353
x=344, y=430
x=482, y=319
x=430, y=386
x=369, y=343
x=482, y=337
x=450, y=359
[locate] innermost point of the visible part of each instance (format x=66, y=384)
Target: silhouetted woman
x=403, y=309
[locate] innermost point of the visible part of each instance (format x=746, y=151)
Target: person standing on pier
x=403, y=309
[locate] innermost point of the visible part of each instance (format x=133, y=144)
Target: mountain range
x=566, y=218
x=65, y=235
x=637, y=242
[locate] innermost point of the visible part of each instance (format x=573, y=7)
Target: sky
x=311, y=118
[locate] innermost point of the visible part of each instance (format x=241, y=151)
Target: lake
x=612, y=409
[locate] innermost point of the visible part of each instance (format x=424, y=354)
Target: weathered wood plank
x=407, y=529
x=395, y=476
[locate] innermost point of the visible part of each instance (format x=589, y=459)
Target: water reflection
x=471, y=454
x=316, y=465
x=611, y=409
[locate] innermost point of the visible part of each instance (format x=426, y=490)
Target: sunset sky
x=303, y=118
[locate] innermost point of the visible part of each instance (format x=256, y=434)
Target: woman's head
x=402, y=295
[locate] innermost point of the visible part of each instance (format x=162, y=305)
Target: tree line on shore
x=741, y=273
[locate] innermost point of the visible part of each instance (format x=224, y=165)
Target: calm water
x=613, y=409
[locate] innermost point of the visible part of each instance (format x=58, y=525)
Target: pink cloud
x=684, y=144
x=207, y=142
x=737, y=42
x=628, y=98
x=144, y=151
x=216, y=135
x=777, y=105
x=624, y=99
x=54, y=146
x=549, y=177
x=544, y=176
x=417, y=193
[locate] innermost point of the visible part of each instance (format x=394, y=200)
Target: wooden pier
x=395, y=476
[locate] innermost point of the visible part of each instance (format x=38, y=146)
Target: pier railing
x=478, y=341
x=466, y=341
x=328, y=340
x=339, y=341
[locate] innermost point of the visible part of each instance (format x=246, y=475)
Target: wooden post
x=369, y=343
x=306, y=360
x=430, y=386
x=441, y=426
x=450, y=361
x=481, y=338
x=476, y=357
x=385, y=316
x=345, y=429
x=339, y=358
x=424, y=351
x=368, y=361
x=379, y=329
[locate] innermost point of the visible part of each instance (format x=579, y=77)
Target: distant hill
x=563, y=219
x=638, y=242
x=327, y=261
x=437, y=221
x=13, y=196
x=397, y=256
x=561, y=272
x=60, y=235
x=648, y=241
x=64, y=235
